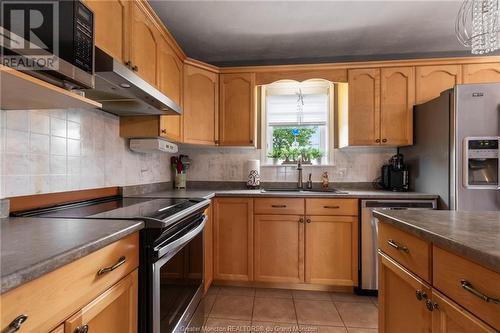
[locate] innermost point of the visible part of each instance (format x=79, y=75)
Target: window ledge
x=267, y=165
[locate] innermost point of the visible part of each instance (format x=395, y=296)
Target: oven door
x=178, y=279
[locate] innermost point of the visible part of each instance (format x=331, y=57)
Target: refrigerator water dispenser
x=480, y=162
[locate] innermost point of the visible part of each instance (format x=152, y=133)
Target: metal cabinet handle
x=331, y=207
x=308, y=220
x=15, y=325
x=384, y=140
x=82, y=329
x=105, y=270
x=128, y=63
x=301, y=220
x=377, y=140
x=278, y=206
x=421, y=295
x=430, y=305
x=135, y=68
x=397, y=246
x=468, y=286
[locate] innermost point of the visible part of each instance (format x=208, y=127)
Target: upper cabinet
x=431, y=81
x=379, y=111
x=481, y=73
x=111, y=26
x=201, y=105
x=144, y=43
x=364, y=107
x=396, y=109
x=237, y=116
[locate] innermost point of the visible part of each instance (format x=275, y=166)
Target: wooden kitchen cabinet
x=399, y=308
x=431, y=81
x=111, y=19
x=208, y=247
x=449, y=317
x=145, y=40
x=481, y=73
x=114, y=311
x=364, y=107
x=233, y=239
x=237, y=114
x=396, y=109
x=279, y=248
x=331, y=250
x=201, y=105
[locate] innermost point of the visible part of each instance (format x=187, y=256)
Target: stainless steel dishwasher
x=369, y=233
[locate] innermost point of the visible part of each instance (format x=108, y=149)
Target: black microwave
x=67, y=32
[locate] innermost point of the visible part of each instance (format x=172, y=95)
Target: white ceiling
x=258, y=32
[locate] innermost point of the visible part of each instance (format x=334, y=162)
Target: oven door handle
x=162, y=250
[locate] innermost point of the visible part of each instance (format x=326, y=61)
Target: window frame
x=328, y=159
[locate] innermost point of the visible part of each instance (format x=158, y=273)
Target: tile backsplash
x=229, y=164
x=60, y=150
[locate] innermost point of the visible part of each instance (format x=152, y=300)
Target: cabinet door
x=399, y=308
x=431, y=81
x=396, y=110
x=201, y=103
x=237, y=109
x=114, y=311
x=332, y=250
x=364, y=107
x=144, y=44
x=170, y=75
x=111, y=19
x=279, y=248
x=449, y=317
x=208, y=247
x=233, y=239
x=482, y=73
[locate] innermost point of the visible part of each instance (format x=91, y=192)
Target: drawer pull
x=105, y=270
x=82, y=329
x=397, y=246
x=331, y=207
x=468, y=286
x=421, y=295
x=15, y=325
x=278, y=206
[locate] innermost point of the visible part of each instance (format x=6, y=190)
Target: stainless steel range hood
x=124, y=93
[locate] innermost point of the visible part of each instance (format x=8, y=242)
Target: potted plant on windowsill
x=291, y=155
x=316, y=154
x=305, y=154
x=275, y=156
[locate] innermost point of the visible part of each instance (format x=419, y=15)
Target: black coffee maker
x=395, y=174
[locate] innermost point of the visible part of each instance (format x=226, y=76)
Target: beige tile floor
x=235, y=309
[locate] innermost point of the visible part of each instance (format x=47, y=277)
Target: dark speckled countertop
x=31, y=247
x=472, y=235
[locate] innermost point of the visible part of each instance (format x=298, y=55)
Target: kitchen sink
x=298, y=190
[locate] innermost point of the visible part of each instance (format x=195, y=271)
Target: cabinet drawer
x=450, y=270
x=406, y=249
x=51, y=298
x=279, y=206
x=347, y=207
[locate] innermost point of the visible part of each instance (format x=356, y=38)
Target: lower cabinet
x=114, y=311
x=331, y=250
x=279, y=248
x=233, y=239
x=449, y=317
x=402, y=299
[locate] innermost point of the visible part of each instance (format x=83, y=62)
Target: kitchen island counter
x=472, y=235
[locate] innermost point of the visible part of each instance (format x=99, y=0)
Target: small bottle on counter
x=324, y=180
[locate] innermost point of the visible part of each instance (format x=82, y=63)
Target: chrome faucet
x=299, y=169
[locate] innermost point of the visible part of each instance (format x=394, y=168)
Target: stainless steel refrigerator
x=455, y=152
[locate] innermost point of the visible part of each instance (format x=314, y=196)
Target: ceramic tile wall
x=229, y=164
x=60, y=150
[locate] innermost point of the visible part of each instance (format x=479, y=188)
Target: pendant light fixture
x=478, y=25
